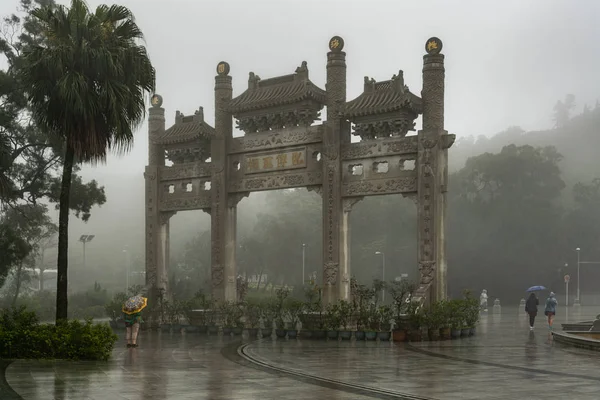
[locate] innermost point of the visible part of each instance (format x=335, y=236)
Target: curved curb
x=330, y=383
x=498, y=365
x=6, y=392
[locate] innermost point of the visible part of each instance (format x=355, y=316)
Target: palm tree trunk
x=63, y=237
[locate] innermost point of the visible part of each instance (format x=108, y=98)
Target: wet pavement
x=503, y=361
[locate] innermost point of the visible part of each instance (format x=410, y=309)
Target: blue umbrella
x=536, y=288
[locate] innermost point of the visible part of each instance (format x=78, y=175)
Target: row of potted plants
x=362, y=316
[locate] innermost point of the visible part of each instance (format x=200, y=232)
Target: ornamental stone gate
x=282, y=148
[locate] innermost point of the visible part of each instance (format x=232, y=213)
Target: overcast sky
x=507, y=62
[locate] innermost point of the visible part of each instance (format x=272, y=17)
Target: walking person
x=132, y=328
x=133, y=318
x=531, y=308
x=550, y=310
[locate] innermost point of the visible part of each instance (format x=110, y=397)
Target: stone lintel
x=380, y=147
x=180, y=203
x=185, y=171
x=277, y=139
x=275, y=180
x=370, y=187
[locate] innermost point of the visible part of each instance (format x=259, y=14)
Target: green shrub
x=22, y=336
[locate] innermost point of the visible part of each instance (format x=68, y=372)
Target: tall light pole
x=566, y=286
x=382, y=254
x=577, y=300
x=303, y=261
x=127, y=269
x=85, y=239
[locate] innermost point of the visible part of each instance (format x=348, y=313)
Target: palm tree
x=86, y=84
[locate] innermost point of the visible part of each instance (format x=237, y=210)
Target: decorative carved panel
x=197, y=202
x=185, y=171
x=277, y=139
x=380, y=186
x=381, y=147
x=272, y=181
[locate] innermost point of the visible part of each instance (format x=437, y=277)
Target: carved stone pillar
x=334, y=247
x=223, y=214
x=432, y=170
x=156, y=159
x=345, y=270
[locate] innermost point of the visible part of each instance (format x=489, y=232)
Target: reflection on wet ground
x=503, y=361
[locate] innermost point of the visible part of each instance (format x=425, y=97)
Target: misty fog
x=507, y=66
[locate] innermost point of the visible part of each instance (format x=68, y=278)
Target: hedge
x=22, y=336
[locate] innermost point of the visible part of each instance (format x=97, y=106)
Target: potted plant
x=385, y=314
x=362, y=297
x=401, y=292
x=171, y=316
x=294, y=308
x=415, y=321
x=281, y=316
x=471, y=312
x=211, y=314
x=373, y=322
x=237, y=318
x=431, y=319
x=224, y=318
x=345, y=312
x=444, y=316
x=268, y=315
x=456, y=318
x=253, y=314
x=332, y=321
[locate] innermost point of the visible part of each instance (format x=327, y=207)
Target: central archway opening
x=384, y=240
x=280, y=239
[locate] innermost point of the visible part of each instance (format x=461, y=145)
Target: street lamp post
x=566, y=286
x=577, y=300
x=85, y=239
x=127, y=269
x=382, y=274
x=303, y=261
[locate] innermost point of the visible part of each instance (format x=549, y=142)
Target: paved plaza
x=504, y=361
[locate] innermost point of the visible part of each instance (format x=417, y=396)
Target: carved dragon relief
x=330, y=270
x=427, y=272
x=217, y=273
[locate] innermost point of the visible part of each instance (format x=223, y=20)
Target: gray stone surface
x=504, y=361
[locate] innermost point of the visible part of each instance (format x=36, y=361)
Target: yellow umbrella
x=135, y=304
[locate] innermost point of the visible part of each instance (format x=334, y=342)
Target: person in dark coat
x=531, y=308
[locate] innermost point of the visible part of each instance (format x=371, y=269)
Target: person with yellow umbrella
x=133, y=317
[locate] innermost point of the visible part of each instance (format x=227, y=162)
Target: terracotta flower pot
x=445, y=334
x=399, y=335
x=433, y=334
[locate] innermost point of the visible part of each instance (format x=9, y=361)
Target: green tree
x=504, y=223
x=86, y=83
